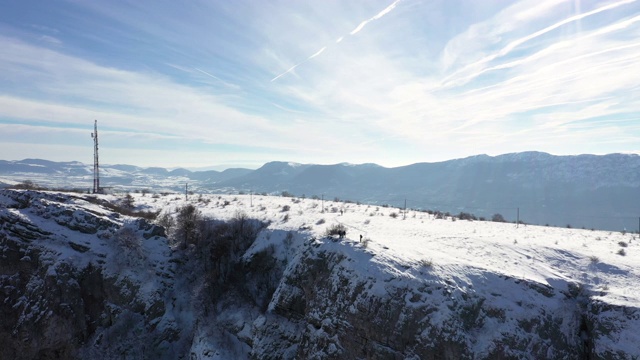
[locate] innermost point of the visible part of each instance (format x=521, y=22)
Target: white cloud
x=404, y=90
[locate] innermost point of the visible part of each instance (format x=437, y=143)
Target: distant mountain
x=581, y=191
x=122, y=176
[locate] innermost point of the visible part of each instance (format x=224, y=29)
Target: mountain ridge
x=592, y=191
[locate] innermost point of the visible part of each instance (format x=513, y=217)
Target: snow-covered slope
x=582, y=191
x=80, y=279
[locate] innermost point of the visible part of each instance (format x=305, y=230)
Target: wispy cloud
x=50, y=40
x=429, y=82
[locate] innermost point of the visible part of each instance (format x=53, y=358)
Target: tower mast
x=96, y=167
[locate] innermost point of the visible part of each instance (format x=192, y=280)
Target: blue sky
x=240, y=83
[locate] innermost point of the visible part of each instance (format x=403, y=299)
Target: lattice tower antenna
x=96, y=166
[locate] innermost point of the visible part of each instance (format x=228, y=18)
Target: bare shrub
x=147, y=215
x=187, y=225
x=320, y=222
x=127, y=201
x=127, y=238
x=27, y=185
x=223, y=244
x=166, y=221
x=337, y=229
x=426, y=263
x=467, y=216
x=621, y=252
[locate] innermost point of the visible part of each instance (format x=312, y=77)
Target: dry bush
x=337, y=229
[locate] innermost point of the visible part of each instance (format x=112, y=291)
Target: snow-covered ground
x=546, y=255
x=418, y=261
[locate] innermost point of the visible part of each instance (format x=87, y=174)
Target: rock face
x=78, y=280
x=66, y=285
x=414, y=314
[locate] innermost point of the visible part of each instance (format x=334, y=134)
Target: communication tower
x=96, y=167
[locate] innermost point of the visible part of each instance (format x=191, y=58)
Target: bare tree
x=187, y=225
x=497, y=218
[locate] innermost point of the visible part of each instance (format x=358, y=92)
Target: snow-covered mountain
x=84, y=276
x=579, y=191
x=122, y=177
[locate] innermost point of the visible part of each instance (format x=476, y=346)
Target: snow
x=458, y=249
x=400, y=252
x=474, y=257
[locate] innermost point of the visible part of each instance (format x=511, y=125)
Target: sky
x=205, y=83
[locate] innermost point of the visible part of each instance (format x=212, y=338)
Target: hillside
x=81, y=278
x=585, y=191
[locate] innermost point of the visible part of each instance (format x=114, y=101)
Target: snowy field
x=414, y=261
x=603, y=262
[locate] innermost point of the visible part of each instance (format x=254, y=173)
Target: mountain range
x=591, y=191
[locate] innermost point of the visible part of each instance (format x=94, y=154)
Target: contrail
x=206, y=73
x=227, y=84
x=317, y=53
x=380, y=14
x=512, y=45
x=356, y=30
x=300, y=63
x=286, y=72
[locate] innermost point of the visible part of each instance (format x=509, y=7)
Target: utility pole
x=323, y=203
x=518, y=218
x=186, y=192
x=251, y=197
x=404, y=213
x=96, y=166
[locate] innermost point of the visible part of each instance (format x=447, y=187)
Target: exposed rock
x=78, y=282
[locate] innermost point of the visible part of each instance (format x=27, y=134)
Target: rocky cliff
x=79, y=279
